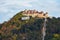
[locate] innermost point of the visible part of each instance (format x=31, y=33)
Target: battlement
x=35, y=13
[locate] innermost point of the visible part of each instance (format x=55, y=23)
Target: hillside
x=22, y=27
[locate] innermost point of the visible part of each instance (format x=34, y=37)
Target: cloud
x=8, y=5
x=8, y=8
x=51, y=6
x=5, y=5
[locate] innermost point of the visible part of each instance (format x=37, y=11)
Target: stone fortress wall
x=35, y=13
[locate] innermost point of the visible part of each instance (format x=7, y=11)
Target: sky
x=9, y=8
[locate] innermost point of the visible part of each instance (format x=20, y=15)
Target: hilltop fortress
x=34, y=13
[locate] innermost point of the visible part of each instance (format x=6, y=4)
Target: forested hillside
x=17, y=29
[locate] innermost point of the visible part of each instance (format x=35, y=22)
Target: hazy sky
x=8, y=8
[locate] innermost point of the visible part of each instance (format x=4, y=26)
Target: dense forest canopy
x=17, y=29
